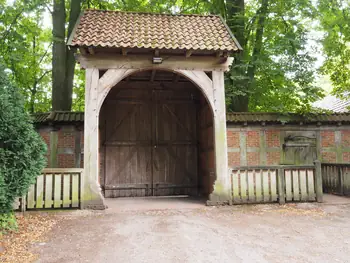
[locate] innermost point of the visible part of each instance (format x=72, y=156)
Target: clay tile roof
x=258, y=117
x=116, y=29
x=234, y=118
x=58, y=116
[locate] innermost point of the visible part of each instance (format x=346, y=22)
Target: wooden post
x=23, y=203
x=341, y=180
x=318, y=181
x=53, y=148
x=77, y=149
x=281, y=186
x=222, y=187
x=91, y=192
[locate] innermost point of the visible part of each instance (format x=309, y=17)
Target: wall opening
x=156, y=138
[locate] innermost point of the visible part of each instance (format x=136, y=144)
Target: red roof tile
x=115, y=29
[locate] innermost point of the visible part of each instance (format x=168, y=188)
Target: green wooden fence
x=282, y=183
x=336, y=178
x=58, y=188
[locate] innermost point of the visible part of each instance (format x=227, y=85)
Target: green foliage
x=335, y=21
x=25, y=44
x=275, y=72
x=22, y=151
x=278, y=74
x=7, y=222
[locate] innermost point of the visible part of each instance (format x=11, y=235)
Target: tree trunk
x=74, y=13
x=59, y=102
x=258, y=41
x=236, y=22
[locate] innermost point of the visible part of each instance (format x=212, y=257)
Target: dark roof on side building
x=234, y=118
x=116, y=29
x=284, y=118
x=58, y=117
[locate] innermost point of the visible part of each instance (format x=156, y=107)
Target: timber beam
x=102, y=61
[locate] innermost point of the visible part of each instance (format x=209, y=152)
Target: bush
x=22, y=151
x=7, y=222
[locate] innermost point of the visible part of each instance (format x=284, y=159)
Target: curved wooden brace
x=113, y=76
x=203, y=82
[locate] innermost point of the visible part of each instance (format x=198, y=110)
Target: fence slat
x=48, y=191
x=39, y=192
x=75, y=190
x=288, y=181
x=235, y=187
x=251, y=194
x=303, y=189
x=311, y=185
x=273, y=184
x=57, y=192
x=266, y=190
x=346, y=180
x=296, y=190
x=30, y=197
x=258, y=185
x=243, y=176
x=66, y=190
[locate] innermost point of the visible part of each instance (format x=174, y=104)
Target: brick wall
x=247, y=145
x=263, y=145
x=63, y=143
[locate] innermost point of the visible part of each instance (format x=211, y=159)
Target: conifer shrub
x=22, y=151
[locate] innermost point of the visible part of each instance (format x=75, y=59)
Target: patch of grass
x=8, y=222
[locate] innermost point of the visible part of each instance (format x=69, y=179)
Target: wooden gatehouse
x=154, y=104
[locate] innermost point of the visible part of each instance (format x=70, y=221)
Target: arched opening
x=156, y=137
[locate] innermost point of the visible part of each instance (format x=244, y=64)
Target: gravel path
x=173, y=231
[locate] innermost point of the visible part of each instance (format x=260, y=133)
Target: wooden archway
x=97, y=89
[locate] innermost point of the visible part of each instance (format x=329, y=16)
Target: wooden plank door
x=128, y=144
x=175, y=143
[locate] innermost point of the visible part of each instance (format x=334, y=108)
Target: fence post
x=23, y=203
x=318, y=181
x=281, y=186
x=341, y=180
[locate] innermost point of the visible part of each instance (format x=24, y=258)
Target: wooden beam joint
x=188, y=53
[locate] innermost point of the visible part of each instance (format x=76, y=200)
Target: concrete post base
x=221, y=195
x=92, y=198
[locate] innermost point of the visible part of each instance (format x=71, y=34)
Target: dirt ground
x=182, y=230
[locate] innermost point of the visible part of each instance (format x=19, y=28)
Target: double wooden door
x=150, y=142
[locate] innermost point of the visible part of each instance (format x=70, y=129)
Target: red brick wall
x=232, y=139
x=329, y=157
x=273, y=158
x=345, y=138
x=273, y=138
x=251, y=154
x=253, y=158
x=327, y=138
x=66, y=160
x=253, y=139
x=346, y=157
x=66, y=147
x=234, y=159
x=66, y=139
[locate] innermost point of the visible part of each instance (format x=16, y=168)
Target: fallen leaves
x=32, y=228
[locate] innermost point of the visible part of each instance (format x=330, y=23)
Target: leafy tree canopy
x=334, y=16
x=275, y=72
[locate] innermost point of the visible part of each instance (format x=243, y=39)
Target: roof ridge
x=149, y=13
